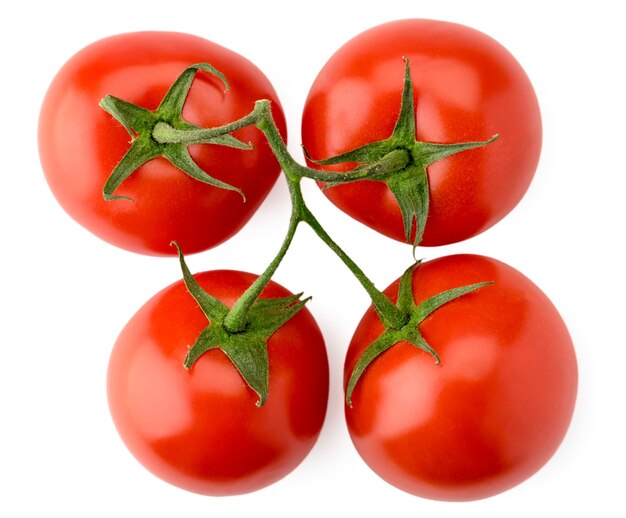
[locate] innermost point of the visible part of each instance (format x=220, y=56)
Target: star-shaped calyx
x=410, y=331
x=145, y=126
x=246, y=349
x=409, y=184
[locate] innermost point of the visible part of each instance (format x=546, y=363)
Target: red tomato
x=200, y=429
x=496, y=408
x=467, y=87
x=80, y=143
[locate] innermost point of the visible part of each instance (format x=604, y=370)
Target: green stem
x=388, y=312
x=266, y=124
x=261, y=117
x=393, y=161
x=164, y=133
x=390, y=315
x=237, y=318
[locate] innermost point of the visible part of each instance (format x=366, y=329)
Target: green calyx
x=409, y=331
x=408, y=179
x=163, y=133
x=246, y=349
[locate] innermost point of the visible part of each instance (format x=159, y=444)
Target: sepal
x=144, y=126
x=247, y=349
x=410, y=332
x=408, y=183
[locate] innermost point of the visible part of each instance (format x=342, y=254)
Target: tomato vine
x=397, y=160
x=450, y=433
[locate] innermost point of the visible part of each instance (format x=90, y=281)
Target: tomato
x=466, y=87
x=200, y=429
x=80, y=143
x=496, y=408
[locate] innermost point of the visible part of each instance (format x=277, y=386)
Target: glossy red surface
x=467, y=87
x=201, y=429
x=80, y=143
x=496, y=408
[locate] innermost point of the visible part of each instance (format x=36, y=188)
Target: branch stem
x=261, y=117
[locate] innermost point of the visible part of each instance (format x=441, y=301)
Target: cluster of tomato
x=499, y=404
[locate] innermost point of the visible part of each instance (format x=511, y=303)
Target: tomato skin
x=496, y=408
x=80, y=143
x=200, y=429
x=467, y=87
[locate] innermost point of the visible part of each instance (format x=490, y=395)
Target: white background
x=66, y=294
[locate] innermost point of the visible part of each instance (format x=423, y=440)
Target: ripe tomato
x=466, y=87
x=496, y=408
x=200, y=429
x=80, y=143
